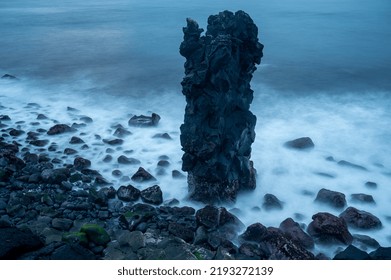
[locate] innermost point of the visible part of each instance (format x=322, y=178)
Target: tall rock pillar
x=218, y=127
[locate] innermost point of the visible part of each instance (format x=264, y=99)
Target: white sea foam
x=347, y=127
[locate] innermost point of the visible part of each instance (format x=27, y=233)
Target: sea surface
x=325, y=74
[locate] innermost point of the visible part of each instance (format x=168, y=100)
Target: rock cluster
x=218, y=127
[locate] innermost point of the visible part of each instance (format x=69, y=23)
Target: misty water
x=325, y=74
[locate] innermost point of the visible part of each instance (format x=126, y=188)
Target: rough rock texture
x=332, y=198
x=327, y=228
x=218, y=127
x=360, y=219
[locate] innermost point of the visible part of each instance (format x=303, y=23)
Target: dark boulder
x=303, y=143
x=81, y=163
x=360, y=219
x=327, y=228
x=331, y=198
x=121, y=132
x=218, y=127
x=114, y=142
x=76, y=140
x=15, y=242
x=128, y=193
x=142, y=176
x=271, y=202
x=127, y=160
x=39, y=143
x=212, y=217
x=144, y=121
x=352, y=253
x=59, y=129
x=153, y=195
x=371, y=185
x=294, y=232
x=382, y=253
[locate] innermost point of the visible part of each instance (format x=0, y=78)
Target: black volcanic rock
x=332, y=198
x=302, y=143
x=360, y=219
x=352, y=253
x=59, y=129
x=144, y=121
x=142, y=175
x=128, y=193
x=153, y=195
x=327, y=228
x=218, y=127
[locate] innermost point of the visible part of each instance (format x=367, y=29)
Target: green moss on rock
x=96, y=234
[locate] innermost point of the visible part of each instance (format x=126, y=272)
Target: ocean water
x=325, y=74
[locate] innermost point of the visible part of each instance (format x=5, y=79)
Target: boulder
x=152, y=195
x=360, y=219
x=144, y=121
x=331, y=198
x=271, y=202
x=60, y=129
x=142, y=176
x=327, y=228
x=303, y=143
x=294, y=232
x=15, y=242
x=128, y=193
x=352, y=253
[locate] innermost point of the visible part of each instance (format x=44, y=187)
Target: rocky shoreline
x=55, y=209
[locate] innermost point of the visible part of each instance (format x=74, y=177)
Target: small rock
x=69, y=151
x=121, y=132
x=135, y=239
x=127, y=160
x=271, y=202
x=371, y=185
x=332, y=198
x=295, y=233
x=165, y=136
x=86, y=119
x=59, y=129
x=142, y=176
x=41, y=117
x=177, y=174
x=163, y=163
x=107, y=158
x=114, y=142
x=351, y=165
x=9, y=77
x=62, y=224
x=76, y=140
x=144, y=121
x=363, y=198
x=303, y=143
x=382, y=253
x=39, y=143
x=81, y=163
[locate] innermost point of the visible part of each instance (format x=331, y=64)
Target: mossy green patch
x=96, y=234
x=75, y=237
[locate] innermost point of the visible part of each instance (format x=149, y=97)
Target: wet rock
x=152, y=195
x=59, y=129
x=8, y=77
x=176, y=174
x=382, y=253
x=81, y=163
x=114, y=142
x=254, y=233
x=363, y=198
x=144, y=121
x=86, y=119
x=181, y=231
x=135, y=239
x=163, y=163
x=4, y=118
x=39, y=143
x=15, y=242
x=69, y=151
x=121, y=132
x=294, y=232
x=62, y=224
x=212, y=217
x=41, y=117
x=218, y=127
x=351, y=165
x=331, y=198
x=371, y=185
x=352, y=253
x=360, y=219
x=271, y=202
x=96, y=234
x=165, y=136
x=176, y=249
x=127, y=160
x=55, y=176
x=303, y=143
x=365, y=241
x=16, y=132
x=142, y=176
x=327, y=228
x=128, y=193
x=76, y=140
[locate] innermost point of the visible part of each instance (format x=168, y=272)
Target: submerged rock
x=303, y=143
x=59, y=129
x=144, y=121
x=218, y=127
